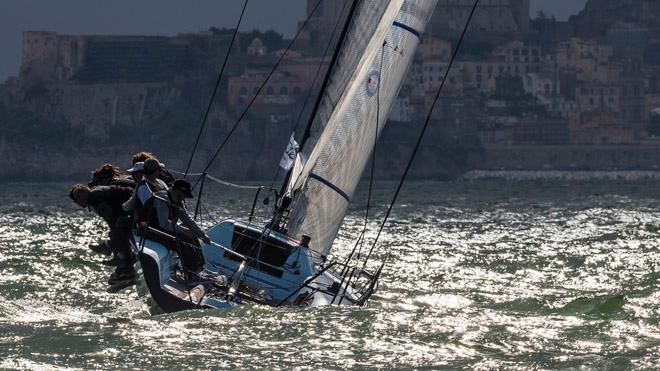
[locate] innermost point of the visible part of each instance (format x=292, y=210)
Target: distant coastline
x=568, y=175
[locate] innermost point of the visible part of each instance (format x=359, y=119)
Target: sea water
x=482, y=274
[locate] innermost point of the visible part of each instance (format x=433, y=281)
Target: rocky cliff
x=599, y=16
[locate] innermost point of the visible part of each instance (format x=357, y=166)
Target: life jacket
x=151, y=216
x=144, y=210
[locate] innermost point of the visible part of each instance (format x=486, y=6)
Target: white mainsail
x=374, y=59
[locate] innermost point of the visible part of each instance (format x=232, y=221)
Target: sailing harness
x=143, y=208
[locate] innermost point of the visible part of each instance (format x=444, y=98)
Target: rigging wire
x=199, y=197
x=417, y=145
x=324, y=86
x=326, y=80
x=320, y=67
x=222, y=182
x=254, y=98
x=215, y=89
x=208, y=214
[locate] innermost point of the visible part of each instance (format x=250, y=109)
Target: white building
x=545, y=88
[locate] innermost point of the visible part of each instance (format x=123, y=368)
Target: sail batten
x=365, y=82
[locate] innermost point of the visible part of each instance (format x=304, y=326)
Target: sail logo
x=372, y=82
x=289, y=156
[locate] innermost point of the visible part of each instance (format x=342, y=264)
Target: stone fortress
x=97, y=81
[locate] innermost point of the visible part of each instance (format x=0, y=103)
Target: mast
x=324, y=86
x=374, y=57
x=331, y=67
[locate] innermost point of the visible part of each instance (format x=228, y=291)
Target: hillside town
x=530, y=93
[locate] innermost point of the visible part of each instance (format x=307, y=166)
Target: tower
x=520, y=10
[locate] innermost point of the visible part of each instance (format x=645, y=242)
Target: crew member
x=150, y=184
x=109, y=174
x=163, y=211
x=157, y=207
x=107, y=202
x=106, y=175
x=164, y=175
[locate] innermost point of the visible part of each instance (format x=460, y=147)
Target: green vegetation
x=271, y=39
x=19, y=126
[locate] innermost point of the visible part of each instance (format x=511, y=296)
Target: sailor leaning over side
x=107, y=202
x=106, y=175
x=109, y=174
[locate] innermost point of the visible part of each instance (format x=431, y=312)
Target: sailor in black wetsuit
x=106, y=175
x=109, y=174
x=107, y=202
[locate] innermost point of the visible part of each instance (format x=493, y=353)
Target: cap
x=183, y=186
x=138, y=167
x=151, y=165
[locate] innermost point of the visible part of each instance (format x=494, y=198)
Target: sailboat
x=286, y=262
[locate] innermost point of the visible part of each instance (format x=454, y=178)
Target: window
x=243, y=90
x=284, y=90
x=270, y=90
x=296, y=90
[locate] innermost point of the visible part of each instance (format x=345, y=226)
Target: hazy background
x=164, y=17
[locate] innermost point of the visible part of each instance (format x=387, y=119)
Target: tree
x=271, y=39
x=540, y=15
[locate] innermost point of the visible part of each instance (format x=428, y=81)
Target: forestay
x=344, y=129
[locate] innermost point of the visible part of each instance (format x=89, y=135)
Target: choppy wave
x=483, y=275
